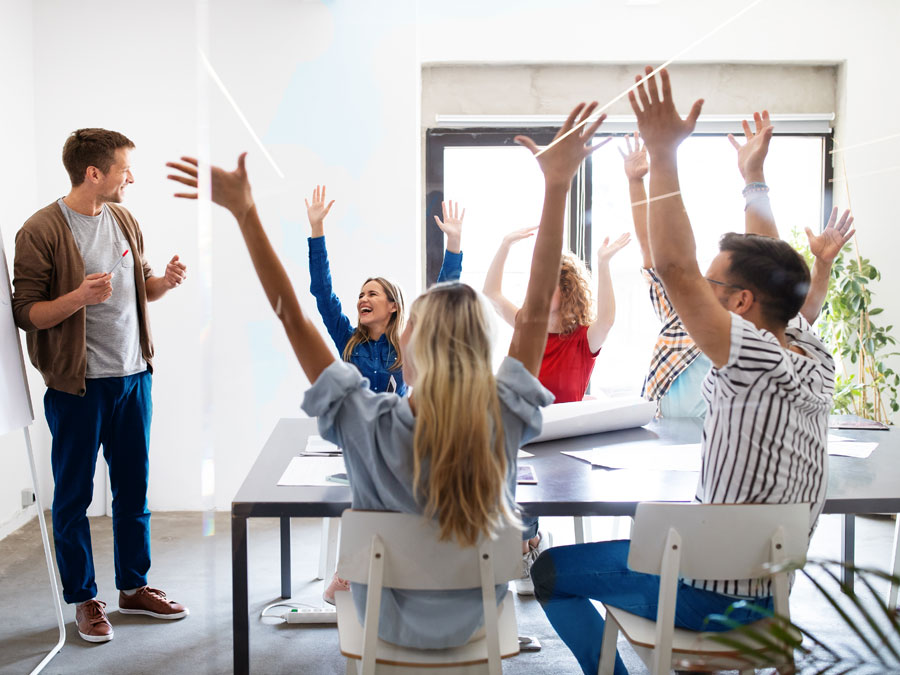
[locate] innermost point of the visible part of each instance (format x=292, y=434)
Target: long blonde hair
x=459, y=456
x=394, y=328
x=575, y=303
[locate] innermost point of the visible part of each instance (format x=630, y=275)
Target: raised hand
x=752, y=154
x=317, y=211
x=95, y=288
x=659, y=123
x=560, y=160
x=519, y=235
x=607, y=250
x=636, y=165
x=230, y=189
x=176, y=273
x=826, y=246
x=451, y=225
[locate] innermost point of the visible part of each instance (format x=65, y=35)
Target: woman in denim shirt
x=373, y=344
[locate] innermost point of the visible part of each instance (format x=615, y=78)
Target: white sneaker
x=525, y=586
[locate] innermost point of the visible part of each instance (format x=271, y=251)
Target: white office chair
x=702, y=541
x=401, y=550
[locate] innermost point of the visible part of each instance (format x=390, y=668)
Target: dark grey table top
x=570, y=487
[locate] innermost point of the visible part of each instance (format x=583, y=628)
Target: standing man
x=81, y=291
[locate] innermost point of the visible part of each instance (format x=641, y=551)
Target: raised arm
x=232, y=190
x=636, y=167
x=317, y=211
x=451, y=225
x=606, y=298
x=336, y=322
x=558, y=162
x=671, y=239
x=825, y=248
x=493, y=281
x=751, y=156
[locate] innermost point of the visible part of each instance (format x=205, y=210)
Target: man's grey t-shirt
x=112, y=331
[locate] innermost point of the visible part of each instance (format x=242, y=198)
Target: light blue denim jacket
x=376, y=433
x=373, y=358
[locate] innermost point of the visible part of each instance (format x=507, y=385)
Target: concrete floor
x=195, y=569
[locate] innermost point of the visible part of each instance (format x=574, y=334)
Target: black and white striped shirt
x=764, y=437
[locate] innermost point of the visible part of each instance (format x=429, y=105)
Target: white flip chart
x=15, y=401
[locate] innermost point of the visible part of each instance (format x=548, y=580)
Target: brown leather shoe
x=152, y=602
x=92, y=623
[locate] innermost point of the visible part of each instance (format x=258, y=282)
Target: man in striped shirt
x=769, y=393
x=678, y=366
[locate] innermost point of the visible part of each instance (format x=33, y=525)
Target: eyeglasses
x=723, y=283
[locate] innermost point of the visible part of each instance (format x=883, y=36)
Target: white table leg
x=328, y=548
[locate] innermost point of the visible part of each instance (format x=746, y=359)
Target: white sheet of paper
x=579, y=418
x=650, y=458
x=524, y=454
x=318, y=444
x=851, y=448
x=312, y=471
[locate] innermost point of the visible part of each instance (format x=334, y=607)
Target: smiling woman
x=373, y=346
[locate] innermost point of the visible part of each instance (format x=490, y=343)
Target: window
x=501, y=188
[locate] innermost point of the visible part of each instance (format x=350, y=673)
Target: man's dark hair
x=776, y=274
x=91, y=147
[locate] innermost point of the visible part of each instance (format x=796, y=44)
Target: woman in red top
x=576, y=333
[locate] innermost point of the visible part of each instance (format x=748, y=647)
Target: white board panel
x=15, y=401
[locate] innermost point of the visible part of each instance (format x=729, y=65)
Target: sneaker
x=93, y=626
x=525, y=586
x=152, y=602
x=337, y=584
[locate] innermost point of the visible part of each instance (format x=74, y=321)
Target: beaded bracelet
x=755, y=187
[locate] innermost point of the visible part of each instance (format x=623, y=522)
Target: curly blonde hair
x=576, y=306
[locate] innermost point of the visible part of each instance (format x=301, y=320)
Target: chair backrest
x=415, y=559
x=718, y=541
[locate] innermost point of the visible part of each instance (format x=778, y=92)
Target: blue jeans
x=114, y=412
x=530, y=523
x=567, y=577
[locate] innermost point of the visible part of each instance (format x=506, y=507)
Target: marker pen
x=119, y=262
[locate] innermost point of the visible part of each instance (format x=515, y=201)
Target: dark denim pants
x=566, y=578
x=114, y=412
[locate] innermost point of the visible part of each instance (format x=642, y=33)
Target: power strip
x=311, y=615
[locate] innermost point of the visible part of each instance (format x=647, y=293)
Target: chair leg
x=608, y=648
x=895, y=565
x=582, y=529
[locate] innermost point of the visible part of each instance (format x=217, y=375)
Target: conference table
x=566, y=487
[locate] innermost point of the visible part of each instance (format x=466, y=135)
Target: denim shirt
x=376, y=433
x=373, y=358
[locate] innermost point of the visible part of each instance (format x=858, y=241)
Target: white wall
x=17, y=176
x=332, y=90
x=332, y=87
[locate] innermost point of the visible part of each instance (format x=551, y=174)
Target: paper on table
x=644, y=457
x=579, y=418
x=851, y=448
x=312, y=471
x=523, y=454
x=316, y=445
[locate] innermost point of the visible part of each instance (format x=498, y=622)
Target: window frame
x=580, y=201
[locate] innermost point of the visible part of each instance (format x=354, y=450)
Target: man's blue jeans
x=566, y=578
x=114, y=412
